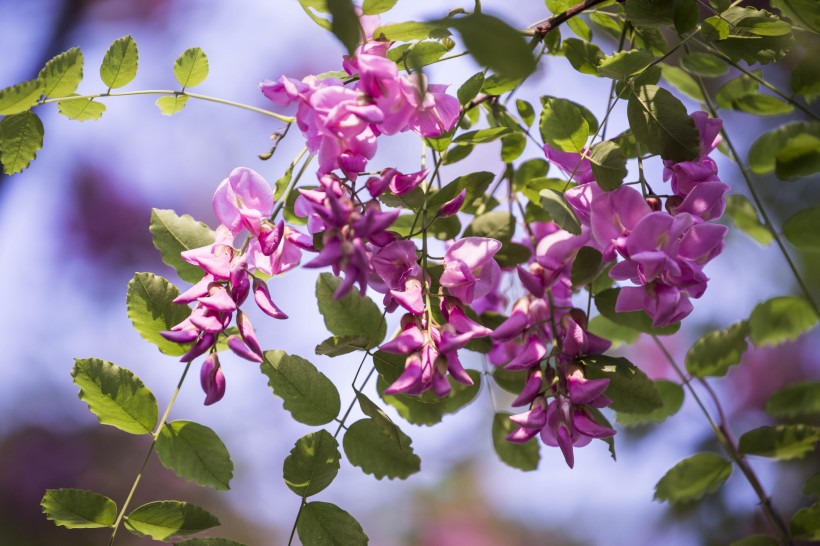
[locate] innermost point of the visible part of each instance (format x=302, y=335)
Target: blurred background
x=74, y=229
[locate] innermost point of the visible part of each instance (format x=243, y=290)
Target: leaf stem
x=154, y=438
x=756, y=198
x=170, y=92
x=726, y=439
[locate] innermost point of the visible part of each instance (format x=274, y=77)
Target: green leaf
x=511, y=381
x=162, y=520
x=681, y=81
x=714, y=353
x=325, y=524
x=512, y=254
x=801, y=399
x=526, y=111
x=587, y=263
x=495, y=225
x=119, y=64
x=806, y=523
x=799, y=156
x=174, y=234
x=495, y=44
x=414, y=56
x=764, y=151
x=744, y=215
x=308, y=394
x=521, y=456
x=171, y=104
x=352, y=315
x=115, y=395
x=781, y=442
x=556, y=205
x=406, y=32
x=802, y=228
x=612, y=27
x=209, y=542
x=512, y=146
x=378, y=415
x=614, y=331
x=756, y=540
x=481, y=136
x=671, y=395
x=318, y=5
x=585, y=57
x=446, y=228
x=151, y=310
x=498, y=85
x=376, y=451
x=692, y=478
x=78, y=508
x=344, y=23
x=650, y=13
x=661, y=124
x=608, y=165
x=704, y=65
x=312, y=464
x=563, y=125
x=751, y=35
x=195, y=453
x=624, y=64
x=374, y=7
x=341, y=345
x=803, y=13
x=470, y=88
x=629, y=388
x=191, y=68
x=638, y=320
x=19, y=98
x=805, y=80
x=780, y=319
x=529, y=170
x=62, y=74
x=21, y=136
x=81, y=109
x=812, y=485
x=686, y=15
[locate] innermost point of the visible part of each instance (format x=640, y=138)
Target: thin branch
x=553, y=22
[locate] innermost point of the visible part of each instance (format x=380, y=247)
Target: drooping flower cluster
x=242, y=202
x=341, y=124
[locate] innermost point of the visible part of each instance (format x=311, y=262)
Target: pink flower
x=469, y=268
x=212, y=380
x=244, y=199
x=572, y=163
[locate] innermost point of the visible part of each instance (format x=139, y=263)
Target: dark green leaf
x=556, y=205
x=308, y=394
x=378, y=415
x=312, y=464
x=692, y=478
x=612, y=27
x=661, y=124
x=62, y=74
x=586, y=265
x=704, y=65
x=344, y=23
x=672, y=399
x=805, y=80
x=174, y=234
x=764, y=151
x=445, y=229
x=650, y=13
x=563, y=125
x=686, y=15
x=744, y=215
x=512, y=146
x=798, y=156
x=780, y=319
x=470, y=88
x=378, y=452
x=605, y=301
x=325, y=524
x=812, y=485
x=781, y=442
x=749, y=34
x=21, y=136
x=19, y=98
x=681, y=81
x=151, y=310
x=585, y=57
x=116, y=396
x=622, y=64
x=521, y=456
x=191, y=68
x=608, y=165
x=342, y=345
x=803, y=13
x=801, y=399
x=351, y=315
x=529, y=170
x=512, y=254
x=629, y=388
x=81, y=109
x=651, y=39
x=209, y=542
x=495, y=225
x=195, y=453
x=512, y=382
x=119, y=64
x=802, y=228
x=162, y=520
x=171, y=104
x=495, y=44
x=78, y=508
x=375, y=7
x=756, y=540
x=714, y=353
x=806, y=523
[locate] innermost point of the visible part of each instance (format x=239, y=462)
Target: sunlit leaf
x=780, y=319
x=79, y=509
x=21, y=136
x=119, y=66
x=351, y=315
x=692, y=478
x=661, y=124
x=714, y=353
x=151, y=309
x=744, y=215
x=81, y=109
x=162, y=520
x=671, y=395
x=62, y=74
x=191, y=68
x=781, y=442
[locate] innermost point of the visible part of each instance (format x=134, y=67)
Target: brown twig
x=541, y=30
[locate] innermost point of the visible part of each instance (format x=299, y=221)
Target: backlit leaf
x=312, y=464
x=692, y=478
x=78, y=509
x=661, y=124
x=119, y=66
x=191, y=68
x=308, y=394
x=351, y=315
x=21, y=136
x=62, y=74
x=195, y=453
x=714, y=353
x=151, y=309
x=781, y=442
x=162, y=520
x=780, y=319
